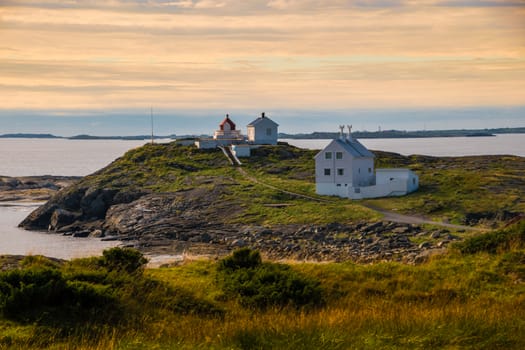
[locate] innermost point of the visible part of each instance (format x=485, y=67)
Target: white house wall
x=331, y=189
x=363, y=172
x=258, y=133
x=333, y=164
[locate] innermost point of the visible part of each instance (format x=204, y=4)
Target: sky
x=98, y=66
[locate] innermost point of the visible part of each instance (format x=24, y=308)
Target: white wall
x=408, y=177
x=206, y=143
x=363, y=172
x=331, y=189
x=258, y=134
x=241, y=151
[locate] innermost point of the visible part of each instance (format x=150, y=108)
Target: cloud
x=481, y=3
x=314, y=53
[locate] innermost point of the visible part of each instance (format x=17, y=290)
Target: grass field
x=472, y=297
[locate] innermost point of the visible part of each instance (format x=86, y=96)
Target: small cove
x=16, y=241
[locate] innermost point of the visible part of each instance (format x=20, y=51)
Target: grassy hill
x=466, y=190
x=472, y=297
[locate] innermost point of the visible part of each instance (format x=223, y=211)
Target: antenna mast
x=151, y=114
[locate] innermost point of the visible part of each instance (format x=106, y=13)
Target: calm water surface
x=26, y=157
x=513, y=144
x=16, y=241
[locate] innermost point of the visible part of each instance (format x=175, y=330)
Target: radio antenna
x=151, y=115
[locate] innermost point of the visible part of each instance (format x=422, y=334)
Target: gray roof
x=260, y=119
x=355, y=148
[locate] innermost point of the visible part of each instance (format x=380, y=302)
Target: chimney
x=262, y=115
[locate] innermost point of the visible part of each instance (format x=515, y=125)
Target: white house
x=345, y=168
x=262, y=131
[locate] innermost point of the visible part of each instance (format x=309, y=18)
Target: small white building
x=227, y=134
x=241, y=151
x=345, y=168
x=227, y=131
x=262, y=131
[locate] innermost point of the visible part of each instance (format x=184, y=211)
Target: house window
x=359, y=170
x=328, y=155
x=340, y=172
x=338, y=155
x=369, y=170
x=327, y=172
x=269, y=132
x=414, y=181
x=338, y=185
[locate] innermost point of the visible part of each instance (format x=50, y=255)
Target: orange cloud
x=57, y=54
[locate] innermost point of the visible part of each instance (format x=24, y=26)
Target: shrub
x=23, y=291
x=492, y=242
x=243, y=258
x=262, y=285
x=123, y=259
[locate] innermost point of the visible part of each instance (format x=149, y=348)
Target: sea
x=33, y=157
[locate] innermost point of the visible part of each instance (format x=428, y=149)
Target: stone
x=97, y=233
x=442, y=244
x=81, y=234
x=425, y=245
x=61, y=218
x=238, y=243
x=435, y=234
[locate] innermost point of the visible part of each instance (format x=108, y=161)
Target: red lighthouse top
x=227, y=124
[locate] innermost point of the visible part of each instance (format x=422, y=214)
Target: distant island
x=387, y=134
x=84, y=137
x=384, y=134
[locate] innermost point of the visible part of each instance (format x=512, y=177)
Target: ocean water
x=25, y=157
x=16, y=241
x=509, y=144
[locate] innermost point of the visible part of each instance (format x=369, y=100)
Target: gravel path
x=409, y=219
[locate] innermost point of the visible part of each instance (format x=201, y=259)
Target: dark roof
x=352, y=146
x=260, y=119
x=355, y=148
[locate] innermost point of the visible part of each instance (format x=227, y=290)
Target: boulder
x=61, y=218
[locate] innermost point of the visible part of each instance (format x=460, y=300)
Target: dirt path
x=409, y=219
x=255, y=180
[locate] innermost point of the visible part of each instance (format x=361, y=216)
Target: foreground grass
x=473, y=297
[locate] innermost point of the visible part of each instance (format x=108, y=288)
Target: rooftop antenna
x=151, y=115
x=349, y=132
x=342, y=134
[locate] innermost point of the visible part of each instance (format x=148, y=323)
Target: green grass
x=457, y=300
x=451, y=188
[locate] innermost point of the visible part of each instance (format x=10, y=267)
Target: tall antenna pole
x=151, y=114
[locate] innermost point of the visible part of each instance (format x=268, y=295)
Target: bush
x=262, y=285
x=243, y=258
x=123, y=259
x=492, y=242
x=23, y=291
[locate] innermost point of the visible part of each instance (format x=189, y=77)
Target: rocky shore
x=186, y=222
x=32, y=188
